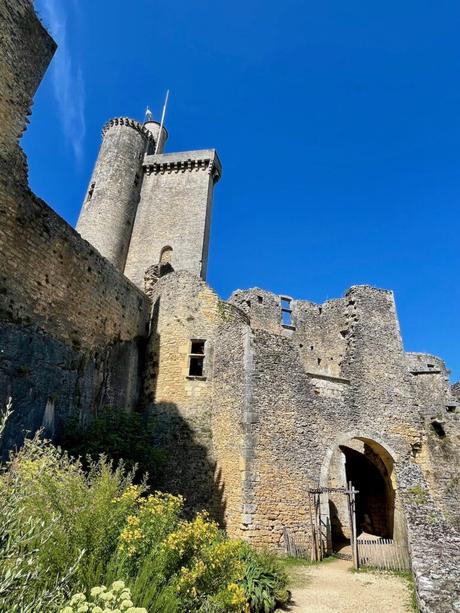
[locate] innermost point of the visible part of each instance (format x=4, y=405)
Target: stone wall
x=25, y=51
x=71, y=326
x=201, y=418
x=184, y=308
x=337, y=375
x=439, y=451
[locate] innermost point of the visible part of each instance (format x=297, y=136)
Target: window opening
x=196, y=358
x=151, y=147
x=136, y=179
x=90, y=192
x=286, y=312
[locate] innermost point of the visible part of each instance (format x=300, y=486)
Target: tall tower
x=145, y=207
x=107, y=215
x=174, y=214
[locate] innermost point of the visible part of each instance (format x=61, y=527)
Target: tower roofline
x=130, y=123
x=146, y=123
x=185, y=160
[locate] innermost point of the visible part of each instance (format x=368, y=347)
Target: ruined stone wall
x=25, y=51
x=174, y=211
x=305, y=405
x=232, y=416
x=439, y=451
x=185, y=308
x=68, y=320
x=201, y=418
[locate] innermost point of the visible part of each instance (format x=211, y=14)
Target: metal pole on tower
x=163, y=114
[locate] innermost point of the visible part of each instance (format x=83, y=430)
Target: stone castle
x=258, y=398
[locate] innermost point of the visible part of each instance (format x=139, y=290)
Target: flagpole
x=162, y=122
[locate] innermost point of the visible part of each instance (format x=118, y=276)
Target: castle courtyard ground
x=332, y=587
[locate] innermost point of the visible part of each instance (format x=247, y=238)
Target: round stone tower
x=154, y=128
x=108, y=212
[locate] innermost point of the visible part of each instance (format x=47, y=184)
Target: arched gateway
x=368, y=464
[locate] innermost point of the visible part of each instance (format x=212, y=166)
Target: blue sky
x=338, y=126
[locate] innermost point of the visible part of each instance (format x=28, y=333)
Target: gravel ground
x=331, y=587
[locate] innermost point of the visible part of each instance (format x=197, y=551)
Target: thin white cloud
x=68, y=82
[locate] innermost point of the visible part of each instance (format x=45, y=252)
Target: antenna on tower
x=162, y=121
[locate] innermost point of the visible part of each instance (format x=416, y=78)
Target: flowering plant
x=117, y=599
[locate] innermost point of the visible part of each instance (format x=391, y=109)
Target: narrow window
x=90, y=192
x=166, y=255
x=136, y=180
x=286, y=312
x=196, y=358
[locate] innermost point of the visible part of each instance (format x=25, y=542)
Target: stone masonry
x=257, y=398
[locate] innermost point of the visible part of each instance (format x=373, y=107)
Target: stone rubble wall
x=305, y=407
x=26, y=49
x=71, y=326
x=184, y=308
x=434, y=545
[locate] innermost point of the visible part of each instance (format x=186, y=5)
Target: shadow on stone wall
x=189, y=469
x=49, y=381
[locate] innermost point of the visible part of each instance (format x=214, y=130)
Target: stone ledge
x=316, y=375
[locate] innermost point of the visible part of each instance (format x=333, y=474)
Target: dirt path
x=330, y=587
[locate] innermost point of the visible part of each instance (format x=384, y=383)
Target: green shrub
x=66, y=528
x=176, y=565
x=62, y=520
x=264, y=582
x=120, y=435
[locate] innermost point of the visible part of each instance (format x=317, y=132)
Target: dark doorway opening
x=375, y=501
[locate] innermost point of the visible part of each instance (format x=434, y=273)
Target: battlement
x=185, y=161
x=130, y=123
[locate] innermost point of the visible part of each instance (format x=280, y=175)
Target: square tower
x=174, y=213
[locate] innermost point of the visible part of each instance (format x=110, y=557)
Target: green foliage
x=418, y=495
x=62, y=525
x=176, y=565
x=264, y=583
x=66, y=528
x=120, y=435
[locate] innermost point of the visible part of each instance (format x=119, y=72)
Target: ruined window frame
x=194, y=357
x=286, y=318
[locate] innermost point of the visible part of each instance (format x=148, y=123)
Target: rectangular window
x=286, y=312
x=196, y=358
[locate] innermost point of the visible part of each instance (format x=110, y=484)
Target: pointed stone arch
x=166, y=255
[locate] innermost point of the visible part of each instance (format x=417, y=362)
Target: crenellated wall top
x=126, y=121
